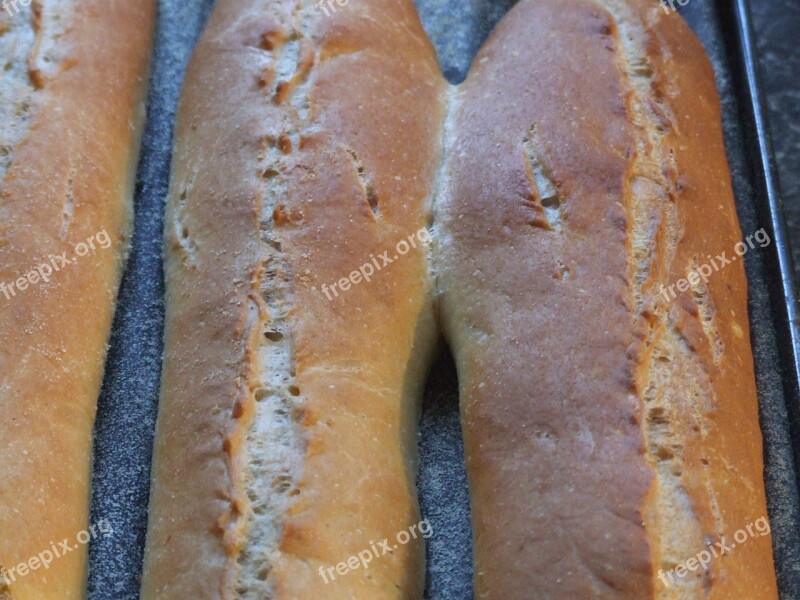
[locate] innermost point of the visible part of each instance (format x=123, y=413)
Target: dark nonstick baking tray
x=128, y=404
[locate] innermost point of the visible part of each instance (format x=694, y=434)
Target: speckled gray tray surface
x=127, y=410
x=777, y=23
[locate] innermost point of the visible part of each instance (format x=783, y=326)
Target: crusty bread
x=306, y=144
x=71, y=108
x=610, y=433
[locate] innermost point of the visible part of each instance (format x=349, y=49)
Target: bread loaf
x=72, y=93
x=611, y=430
x=306, y=148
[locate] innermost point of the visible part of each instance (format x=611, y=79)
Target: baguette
x=72, y=95
x=306, y=146
x=611, y=431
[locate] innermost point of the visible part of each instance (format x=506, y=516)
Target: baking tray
x=128, y=404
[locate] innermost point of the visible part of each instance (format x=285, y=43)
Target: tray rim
x=769, y=201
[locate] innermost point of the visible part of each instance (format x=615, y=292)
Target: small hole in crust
x=273, y=336
x=664, y=454
x=282, y=483
x=294, y=390
x=658, y=416
x=551, y=202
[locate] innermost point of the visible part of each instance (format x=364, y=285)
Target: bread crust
x=575, y=181
x=620, y=428
x=70, y=176
x=306, y=145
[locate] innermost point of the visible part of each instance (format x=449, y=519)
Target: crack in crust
x=672, y=420
x=31, y=56
x=370, y=194
x=68, y=210
x=274, y=447
x=706, y=312
x=545, y=198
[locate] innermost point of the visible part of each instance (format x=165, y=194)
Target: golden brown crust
x=70, y=177
x=286, y=437
x=619, y=428
x=609, y=433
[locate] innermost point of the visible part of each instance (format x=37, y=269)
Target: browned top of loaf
x=586, y=147
x=75, y=88
x=305, y=144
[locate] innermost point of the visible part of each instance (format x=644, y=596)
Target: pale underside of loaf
x=609, y=434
